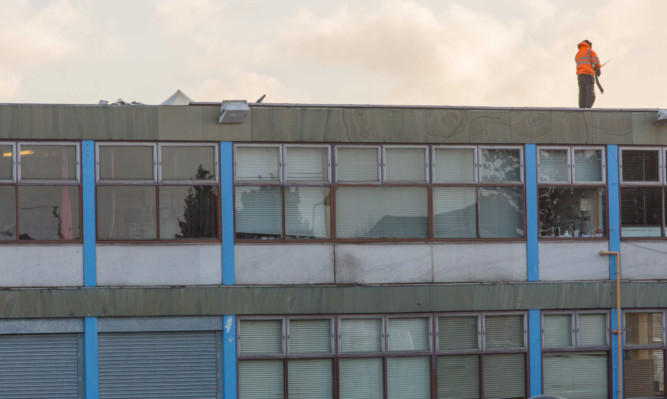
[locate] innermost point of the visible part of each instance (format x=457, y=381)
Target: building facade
x=327, y=251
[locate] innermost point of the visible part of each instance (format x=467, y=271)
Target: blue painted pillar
x=229, y=357
x=613, y=205
x=88, y=205
x=90, y=368
x=532, y=251
x=534, y=353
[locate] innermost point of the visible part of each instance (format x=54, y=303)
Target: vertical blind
x=505, y=375
x=261, y=379
x=360, y=335
x=576, y=375
x=408, y=377
x=306, y=164
x=310, y=336
x=558, y=330
x=405, y=165
x=505, y=331
x=260, y=337
x=309, y=379
x=408, y=334
x=458, y=377
x=554, y=166
x=454, y=165
x=360, y=378
x=357, y=164
x=455, y=212
x=258, y=163
x=458, y=332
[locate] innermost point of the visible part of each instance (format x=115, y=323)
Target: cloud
x=243, y=85
x=182, y=17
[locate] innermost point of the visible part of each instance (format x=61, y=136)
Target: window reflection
x=188, y=212
x=126, y=162
x=6, y=157
x=182, y=163
x=500, y=165
x=48, y=162
x=7, y=213
x=48, y=213
x=307, y=212
x=571, y=212
x=126, y=213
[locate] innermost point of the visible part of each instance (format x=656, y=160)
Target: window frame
x=277, y=182
x=99, y=181
x=475, y=173
x=478, y=165
x=285, y=161
x=13, y=155
x=216, y=166
x=378, y=148
x=571, y=166
x=658, y=347
x=662, y=174
x=19, y=178
x=574, y=320
x=383, y=161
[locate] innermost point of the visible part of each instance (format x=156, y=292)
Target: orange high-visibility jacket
x=586, y=59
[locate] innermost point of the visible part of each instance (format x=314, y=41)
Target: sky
x=498, y=53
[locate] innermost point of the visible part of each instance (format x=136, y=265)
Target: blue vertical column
x=532, y=251
x=88, y=205
x=534, y=353
x=90, y=376
x=614, y=245
x=228, y=275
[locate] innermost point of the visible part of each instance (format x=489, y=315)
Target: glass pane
x=405, y=165
x=558, y=331
x=188, y=212
x=408, y=334
x=261, y=337
x=126, y=213
x=48, y=162
x=592, y=330
x=458, y=377
x=307, y=212
x=644, y=374
x=6, y=162
x=455, y=212
x=258, y=163
x=261, y=379
x=505, y=376
x=306, y=164
x=187, y=163
x=360, y=335
x=640, y=165
x=408, y=378
x=49, y=213
x=309, y=379
x=382, y=212
x=580, y=375
x=641, y=211
x=505, y=331
x=501, y=212
x=500, y=165
x=357, y=164
x=643, y=328
x=454, y=165
x=554, y=166
x=587, y=166
x=310, y=336
x=126, y=162
x=360, y=378
x=258, y=212
x=7, y=213
x=458, y=332
x=568, y=212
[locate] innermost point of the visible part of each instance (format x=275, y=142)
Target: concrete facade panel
x=479, y=262
x=284, y=264
x=489, y=126
x=447, y=126
x=180, y=122
x=611, y=127
x=125, y=265
x=644, y=260
x=644, y=132
x=383, y=263
x=562, y=261
x=304, y=125
x=41, y=265
x=8, y=121
x=404, y=126
x=531, y=126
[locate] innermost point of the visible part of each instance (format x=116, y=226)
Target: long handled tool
x=597, y=81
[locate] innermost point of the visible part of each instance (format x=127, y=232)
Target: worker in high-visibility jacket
x=588, y=67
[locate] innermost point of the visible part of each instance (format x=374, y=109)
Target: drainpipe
x=619, y=329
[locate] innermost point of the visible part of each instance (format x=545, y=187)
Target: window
x=575, y=354
x=644, y=354
x=39, y=191
x=157, y=192
x=571, y=190
x=642, y=192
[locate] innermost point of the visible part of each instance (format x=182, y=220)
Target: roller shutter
x=159, y=365
x=40, y=366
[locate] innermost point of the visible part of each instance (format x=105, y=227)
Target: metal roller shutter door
x=159, y=365
x=39, y=366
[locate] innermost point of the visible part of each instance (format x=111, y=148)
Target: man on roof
x=588, y=67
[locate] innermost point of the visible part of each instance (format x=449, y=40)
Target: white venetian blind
x=257, y=164
x=309, y=379
x=261, y=379
x=455, y=212
x=458, y=332
x=258, y=211
x=458, y=377
x=554, y=166
x=505, y=376
x=360, y=335
x=360, y=378
x=643, y=328
x=408, y=378
x=581, y=375
x=500, y=212
x=505, y=331
x=260, y=337
x=592, y=329
x=557, y=330
x=587, y=166
x=310, y=336
x=454, y=165
x=405, y=165
x=408, y=334
x=357, y=164
x=306, y=164
x=307, y=212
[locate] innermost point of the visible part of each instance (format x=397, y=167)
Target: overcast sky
x=408, y=52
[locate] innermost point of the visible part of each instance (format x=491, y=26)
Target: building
x=329, y=251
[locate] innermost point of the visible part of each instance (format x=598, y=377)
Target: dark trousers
x=586, y=90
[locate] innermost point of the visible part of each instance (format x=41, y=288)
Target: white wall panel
x=642, y=260
x=41, y=265
x=474, y=262
x=284, y=263
x=383, y=263
x=159, y=264
x=561, y=261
